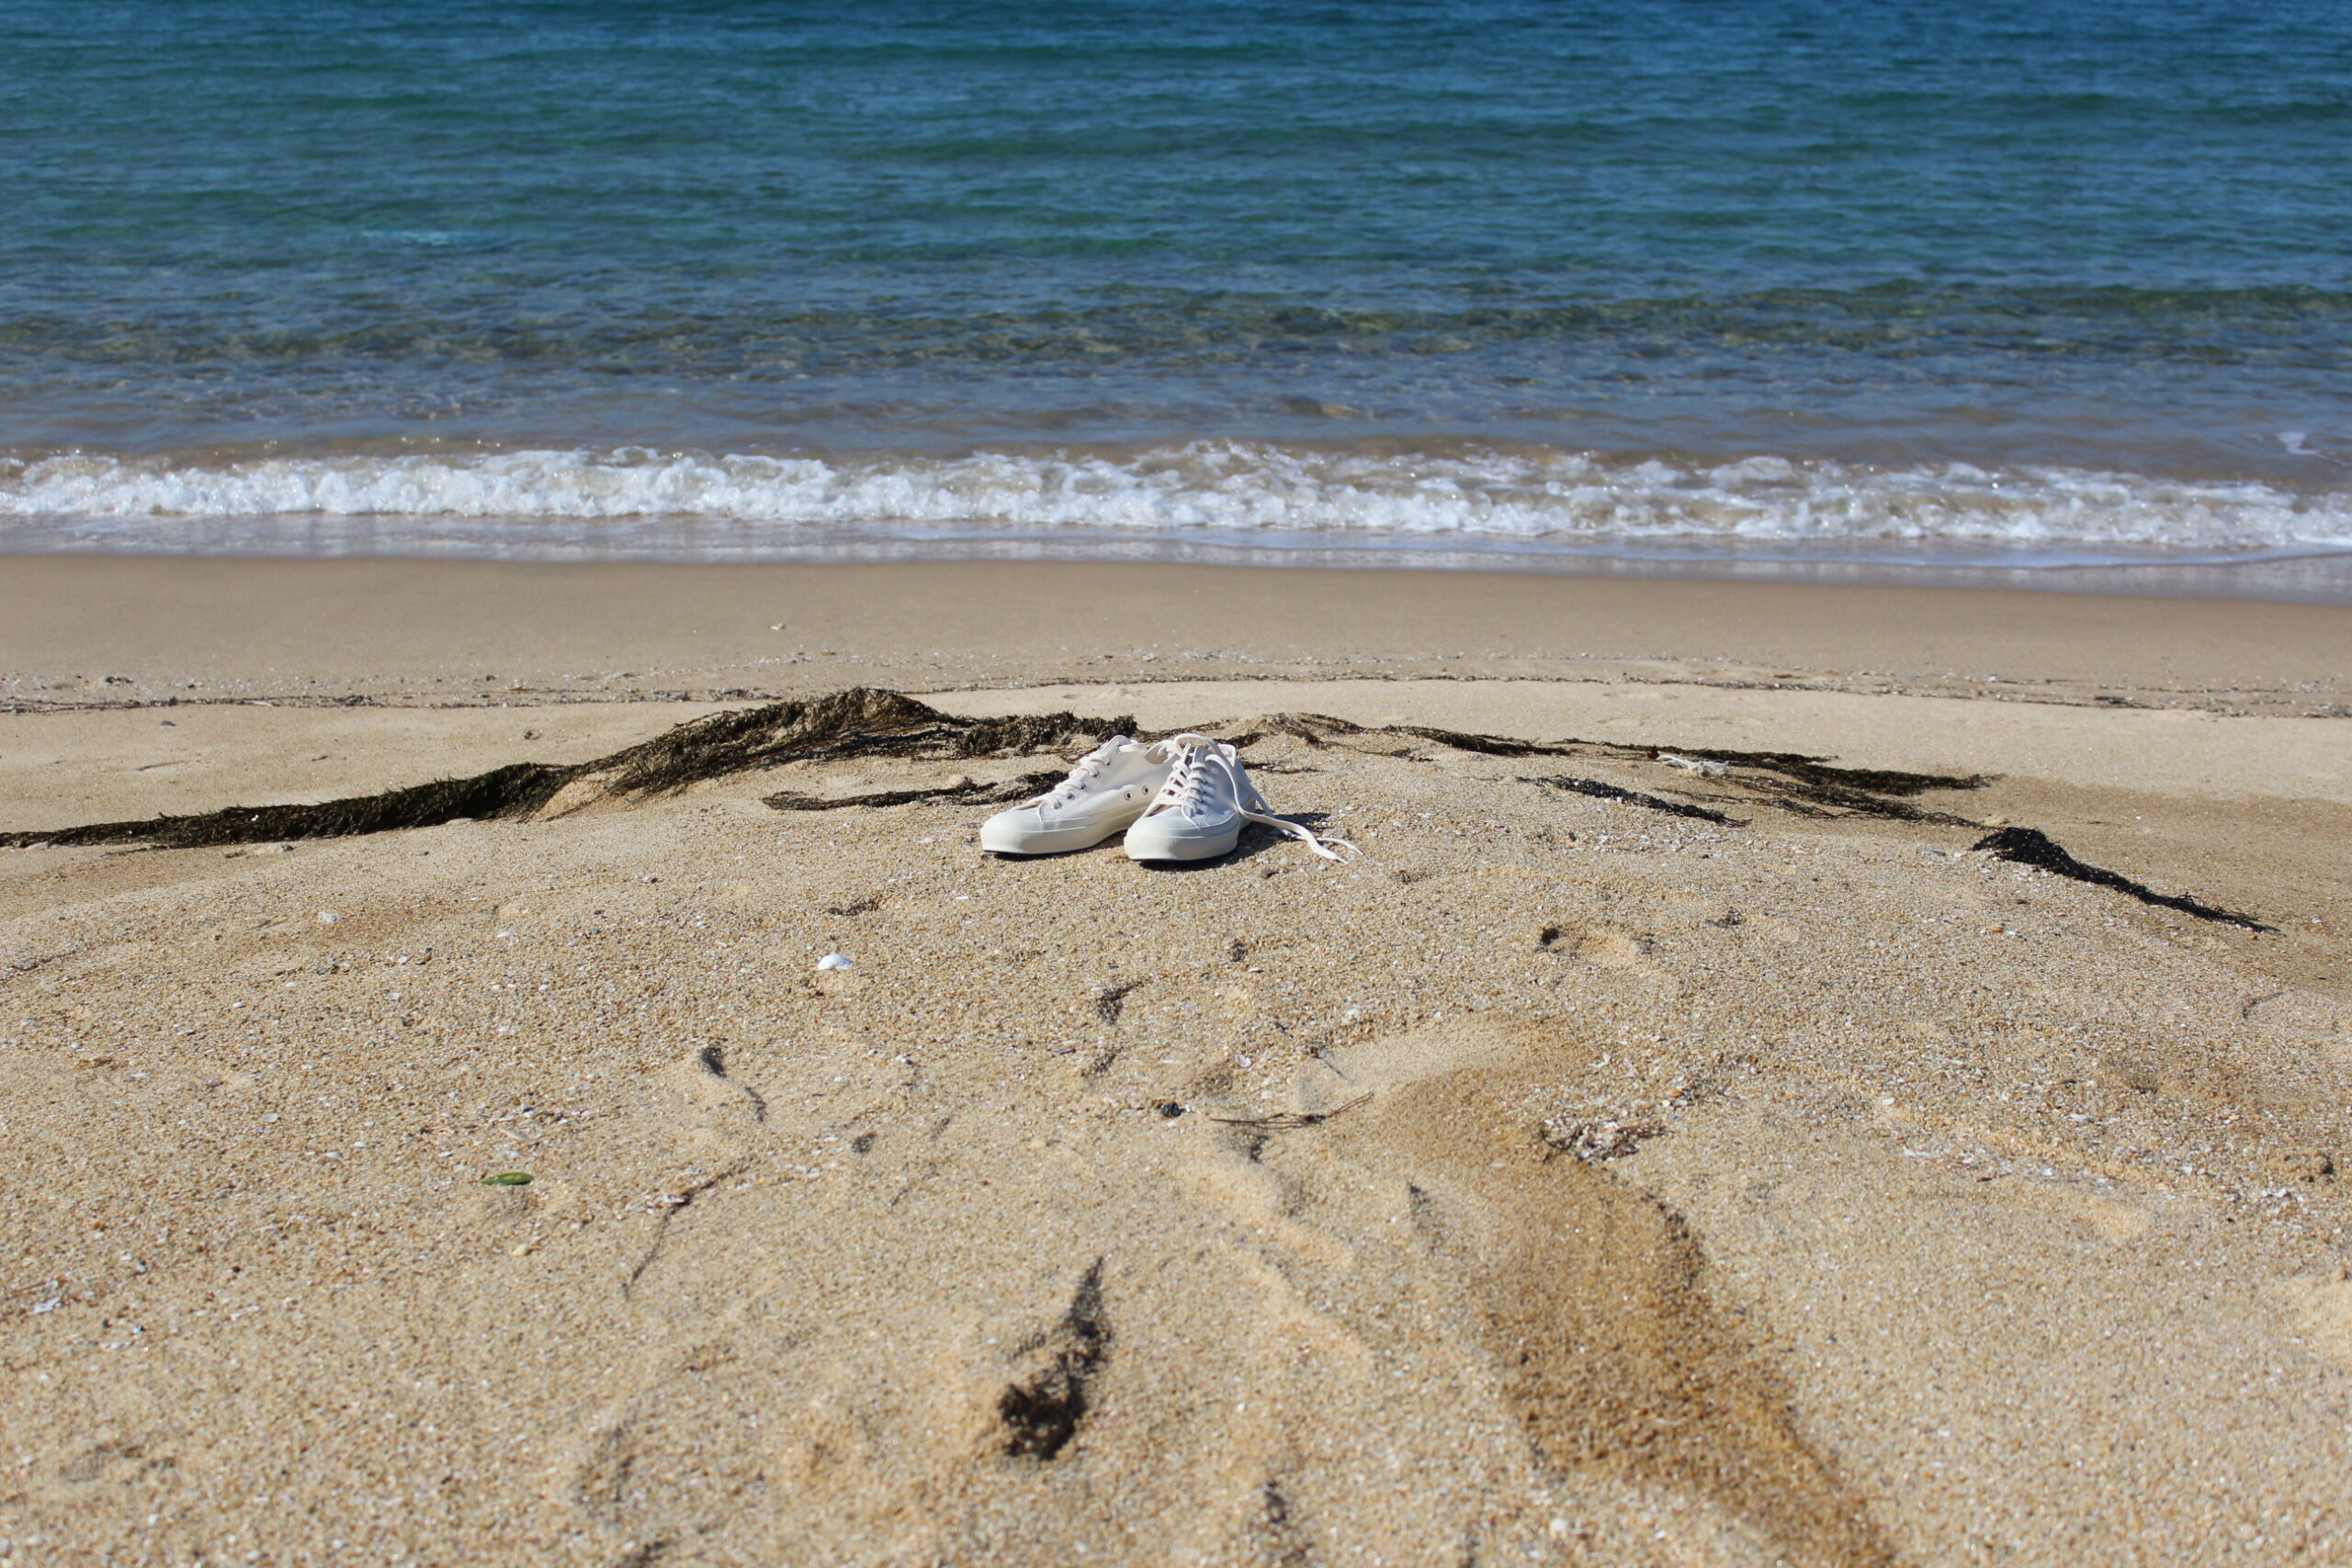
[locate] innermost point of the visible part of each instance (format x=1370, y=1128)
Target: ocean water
x=1919, y=282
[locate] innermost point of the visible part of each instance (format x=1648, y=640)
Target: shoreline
x=98, y=631
x=2312, y=576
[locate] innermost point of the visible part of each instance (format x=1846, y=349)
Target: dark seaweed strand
x=861, y=722
x=1828, y=801
x=1319, y=728
x=1028, y=786
x=1813, y=771
x=1811, y=788
x=1486, y=745
x=516, y=790
x=1041, y=733
x=2031, y=846
x=1795, y=782
x=1600, y=791
x=1314, y=729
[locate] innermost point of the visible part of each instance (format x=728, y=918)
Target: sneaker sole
x=1046, y=843
x=1186, y=849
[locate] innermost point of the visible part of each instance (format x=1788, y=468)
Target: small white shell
x=1705, y=767
x=833, y=961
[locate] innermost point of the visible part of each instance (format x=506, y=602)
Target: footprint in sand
x=717, y=1109
x=2303, y=1019
x=2320, y=1306
x=1603, y=946
x=708, y=1118
x=1588, y=1297
x=1198, y=1342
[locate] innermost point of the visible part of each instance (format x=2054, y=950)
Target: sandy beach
x=1669, y=1141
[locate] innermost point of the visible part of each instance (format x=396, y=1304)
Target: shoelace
x=1070, y=788
x=1189, y=786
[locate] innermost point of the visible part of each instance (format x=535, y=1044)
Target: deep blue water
x=2062, y=277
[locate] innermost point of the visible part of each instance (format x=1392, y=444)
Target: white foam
x=1538, y=497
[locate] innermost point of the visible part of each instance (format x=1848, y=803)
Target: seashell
x=833, y=961
x=1705, y=767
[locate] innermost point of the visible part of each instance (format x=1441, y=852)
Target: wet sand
x=83, y=628
x=1567, y=1178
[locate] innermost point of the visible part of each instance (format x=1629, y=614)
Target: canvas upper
x=1109, y=788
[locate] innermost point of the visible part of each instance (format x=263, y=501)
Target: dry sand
x=1565, y=1180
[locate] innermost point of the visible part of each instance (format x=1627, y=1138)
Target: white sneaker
x=1199, y=813
x=1109, y=788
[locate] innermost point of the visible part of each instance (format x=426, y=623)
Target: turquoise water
x=1931, y=280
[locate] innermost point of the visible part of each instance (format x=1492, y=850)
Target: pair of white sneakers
x=1186, y=797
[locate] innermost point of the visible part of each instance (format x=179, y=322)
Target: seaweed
x=1790, y=781
x=1599, y=791
x=1111, y=1001
x=1318, y=729
x=861, y=722
x=1314, y=729
x=1812, y=788
x=2031, y=846
x=1028, y=786
x=1290, y=1120
x=1487, y=745
x=1816, y=770
x=1042, y=1413
x=866, y=722
x=515, y=790
x=857, y=723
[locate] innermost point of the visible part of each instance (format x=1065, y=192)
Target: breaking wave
x=1478, y=497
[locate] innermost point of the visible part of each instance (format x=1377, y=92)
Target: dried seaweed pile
x=858, y=722
x=1807, y=786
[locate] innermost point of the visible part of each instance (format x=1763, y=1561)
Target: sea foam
x=1513, y=498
